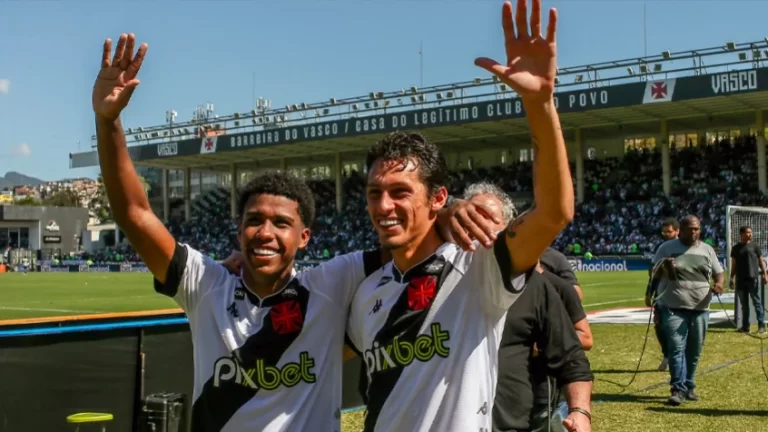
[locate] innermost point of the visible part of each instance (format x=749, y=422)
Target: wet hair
x=508, y=209
x=671, y=222
x=431, y=165
x=744, y=229
x=280, y=184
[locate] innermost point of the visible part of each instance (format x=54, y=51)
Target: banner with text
x=621, y=95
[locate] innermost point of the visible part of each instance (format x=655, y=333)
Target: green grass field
x=733, y=388
x=63, y=294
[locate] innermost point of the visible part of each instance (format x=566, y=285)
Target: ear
x=304, y=239
x=439, y=199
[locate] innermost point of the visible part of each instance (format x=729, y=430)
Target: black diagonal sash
x=404, y=323
x=218, y=403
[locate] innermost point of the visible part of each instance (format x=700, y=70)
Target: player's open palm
x=117, y=78
x=531, y=63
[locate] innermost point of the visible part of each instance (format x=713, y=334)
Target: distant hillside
x=13, y=178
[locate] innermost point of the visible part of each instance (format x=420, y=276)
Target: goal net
x=757, y=219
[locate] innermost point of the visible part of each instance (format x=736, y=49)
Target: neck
x=265, y=285
x=408, y=256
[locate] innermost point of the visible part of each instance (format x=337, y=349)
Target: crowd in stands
x=621, y=214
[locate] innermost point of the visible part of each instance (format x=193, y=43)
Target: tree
x=99, y=204
x=28, y=201
x=63, y=198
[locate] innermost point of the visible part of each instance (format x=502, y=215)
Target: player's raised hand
x=117, y=78
x=531, y=63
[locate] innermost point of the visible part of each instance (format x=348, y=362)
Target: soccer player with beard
x=428, y=324
x=267, y=345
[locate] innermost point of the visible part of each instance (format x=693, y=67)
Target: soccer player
x=428, y=324
x=267, y=345
x=542, y=347
x=685, y=295
x=670, y=228
x=747, y=271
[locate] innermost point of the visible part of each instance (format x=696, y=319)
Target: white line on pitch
x=110, y=299
x=613, y=302
x=44, y=310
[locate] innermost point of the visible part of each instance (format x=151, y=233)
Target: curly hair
x=284, y=185
x=433, y=170
x=508, y=209
x=670, y=221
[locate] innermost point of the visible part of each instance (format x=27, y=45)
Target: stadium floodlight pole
x=170, y=116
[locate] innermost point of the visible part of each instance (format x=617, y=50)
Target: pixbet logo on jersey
x=227, y=370
x=401, y=353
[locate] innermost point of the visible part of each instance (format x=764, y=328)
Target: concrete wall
x=43, y=221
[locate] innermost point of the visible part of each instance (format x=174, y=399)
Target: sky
x=298, y=51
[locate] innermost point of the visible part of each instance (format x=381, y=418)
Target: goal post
x=757, y=219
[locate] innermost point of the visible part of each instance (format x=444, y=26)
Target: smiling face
x=400, y=205
x=270, y=233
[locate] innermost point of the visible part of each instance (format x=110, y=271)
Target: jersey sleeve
x=491, y=269
x=190, y=276
x=734, y=251
x=338, y=278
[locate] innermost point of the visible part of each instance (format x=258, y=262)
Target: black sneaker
x=743, y=330
x=691, y=395
x=677, y=398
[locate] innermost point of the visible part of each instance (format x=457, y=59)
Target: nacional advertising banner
x=85, y=268
x=615, y=265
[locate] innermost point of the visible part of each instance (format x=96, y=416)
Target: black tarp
x=46, y=378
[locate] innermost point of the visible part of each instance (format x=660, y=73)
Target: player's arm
x=733, y=267
x=584, y=332
x=127, y=199
x=529, y=235
x=532, y=76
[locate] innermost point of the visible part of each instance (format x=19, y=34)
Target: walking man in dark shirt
x=747, y=270
x=670, y=228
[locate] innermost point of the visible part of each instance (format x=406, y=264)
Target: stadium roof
x=597, y=98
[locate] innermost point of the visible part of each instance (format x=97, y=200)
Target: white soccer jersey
x=272, y=364
x=429, y=339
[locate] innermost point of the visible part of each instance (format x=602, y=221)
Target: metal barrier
x=106, y=363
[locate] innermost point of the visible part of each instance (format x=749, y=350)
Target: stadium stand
x=620, y=215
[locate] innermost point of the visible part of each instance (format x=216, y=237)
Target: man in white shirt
x=428, y=325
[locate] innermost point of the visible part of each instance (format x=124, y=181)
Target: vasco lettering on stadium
x=401, y=353
x=261, y=376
